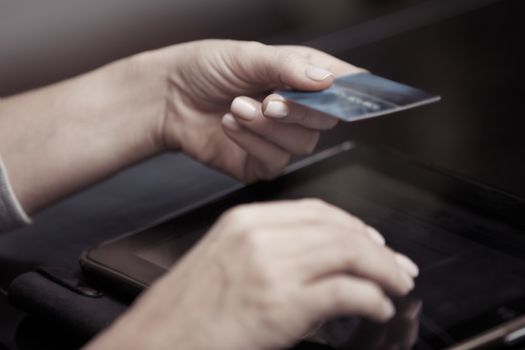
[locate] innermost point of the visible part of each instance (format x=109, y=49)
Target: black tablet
x=467, y=238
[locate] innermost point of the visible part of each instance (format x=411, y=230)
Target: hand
x=263, y=276
x=59, y=139
x=253, y=137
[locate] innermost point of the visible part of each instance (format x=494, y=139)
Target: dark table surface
x=466, y=51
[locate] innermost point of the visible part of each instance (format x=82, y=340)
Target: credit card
x=360, y=96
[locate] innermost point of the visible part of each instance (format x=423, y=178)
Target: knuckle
x=250, y=47
x=286, y=56
x=373, y=292
x=352, y=223
x=357, y=223
x=234, y=214
x=263, y=272
x=255, y=44
x=358, y=249
x=255, y=241
x=238, y=217
x=373, y=296
x=263, y=280
x=365, y=246
x=267, y=302
x=350, y=253
x=388, y=256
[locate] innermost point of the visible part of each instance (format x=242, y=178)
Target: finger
x=320, y=58
x=407, y=264
x=375, y=235
x=308, y=211
x=292, y=138
x=265, y=160
x=280, y=67
x=345, y=295
x=294, y=243
x=321, y=249
x=276, y=108
x=358, y=256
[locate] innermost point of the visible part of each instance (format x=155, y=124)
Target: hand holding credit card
x=360, y=96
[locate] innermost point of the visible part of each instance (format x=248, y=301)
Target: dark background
x=468, y=51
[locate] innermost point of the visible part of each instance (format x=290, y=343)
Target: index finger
x=319, y=58
x=354, y=254
x=277, y=108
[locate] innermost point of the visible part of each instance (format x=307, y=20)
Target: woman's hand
x=253, y=137
x=59, y=139
x=262, y=278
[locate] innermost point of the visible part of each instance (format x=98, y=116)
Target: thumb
x=281, y=67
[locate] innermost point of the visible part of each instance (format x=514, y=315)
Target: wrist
x=135, y=99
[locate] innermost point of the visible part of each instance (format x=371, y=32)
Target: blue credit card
x=360, y=96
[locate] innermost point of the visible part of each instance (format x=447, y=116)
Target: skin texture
x=59, y=139
x=249, y=146
x=266, y=273
x=261, y=279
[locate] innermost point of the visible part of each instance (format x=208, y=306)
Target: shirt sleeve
x=12, y=215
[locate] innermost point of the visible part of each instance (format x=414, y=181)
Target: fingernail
x=230, y=123
x=276, y=109
x=406, y=264
x=388, y=310
x=375, y=235
x=317, y=74
x=244, y=109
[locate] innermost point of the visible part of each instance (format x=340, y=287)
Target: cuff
x=12, y=215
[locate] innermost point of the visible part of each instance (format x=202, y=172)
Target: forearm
x=59, y=139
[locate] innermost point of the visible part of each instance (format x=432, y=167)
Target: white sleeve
x=12, y=215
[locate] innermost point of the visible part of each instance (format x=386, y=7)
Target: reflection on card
x=359, y=96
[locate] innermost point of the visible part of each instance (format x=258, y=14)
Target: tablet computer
x=467, y=238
